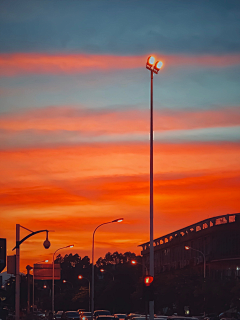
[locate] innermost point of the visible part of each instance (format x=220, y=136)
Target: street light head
x=46, y=243
x=102, y=270
x=150, y=60
x=80, y=277
x=118, y=220
x=71, y=246
x=187, y=248
x=64, y=281
x=158, y=65
x=46, y=261
x=133, y=262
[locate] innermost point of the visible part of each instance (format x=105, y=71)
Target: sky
x=74, y=120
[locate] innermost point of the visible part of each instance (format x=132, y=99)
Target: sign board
x=3, y=254
x=11, y=264
x=44, y=271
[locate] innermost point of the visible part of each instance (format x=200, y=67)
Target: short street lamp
x=80, y=277
x=102, y=270
x=92, y=298
x=33, y=306
x=65, y=281
x=154, y=67
x=134, y=262
x=204, y=259
x=70, y=246
x=204, y=267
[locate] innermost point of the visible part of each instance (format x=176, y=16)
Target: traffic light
x=148, y=280
x=2, y=254
x=148, y=292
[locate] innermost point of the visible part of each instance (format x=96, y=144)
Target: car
x=101, y=313
x=72, y=315
x=39, y=314
x=85, y=315
x=121, y=316
x=106, y=317
x=58, y=315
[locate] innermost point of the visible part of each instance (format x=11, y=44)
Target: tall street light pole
x=70, y=246
x=92, y=295
x=154, y=67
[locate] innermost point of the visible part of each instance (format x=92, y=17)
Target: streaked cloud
x=26, y=63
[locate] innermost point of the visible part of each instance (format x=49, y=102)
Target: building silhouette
x=216, y=238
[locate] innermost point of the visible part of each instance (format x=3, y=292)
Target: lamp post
x=204, y=260
x=102, y=270
x=46, y=244
x=33, y=305
x=154, y=67
x=204, y=267
x=81, y=277
x=65, y=281
x=70, y=246
x=134, y=262
x=92, y=296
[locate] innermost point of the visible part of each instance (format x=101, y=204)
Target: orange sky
x=74, y=121
x=72, y=189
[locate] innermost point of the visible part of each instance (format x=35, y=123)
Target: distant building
x=217, y=238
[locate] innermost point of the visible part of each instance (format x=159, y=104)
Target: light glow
x=187, y=248
x=133, y=262
x=80, y=277
x=102, y=270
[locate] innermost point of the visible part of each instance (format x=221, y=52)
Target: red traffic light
x=148, y=280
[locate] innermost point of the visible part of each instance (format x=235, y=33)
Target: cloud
x=36, y=63
x=65, y=125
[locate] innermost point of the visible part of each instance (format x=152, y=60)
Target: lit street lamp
x=102, y=270
x=134, y=262
x=92, y=298
x=204, y=259
x=204, y=267
x=81, y=277
x=154, y=67
x=65, y=281
x=70, y=246
x=33, y=282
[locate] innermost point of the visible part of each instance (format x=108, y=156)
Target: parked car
x=72, y=315
x=106, y=317
x=58, y=315
x=101, y=313
x=121, y=316
x=39, y=314
x=85, y=315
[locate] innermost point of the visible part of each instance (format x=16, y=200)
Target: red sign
x=45, y=271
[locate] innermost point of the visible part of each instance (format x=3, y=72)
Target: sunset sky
x=74, y=120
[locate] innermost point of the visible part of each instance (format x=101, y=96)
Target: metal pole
x=53, y=284
x=17, y=288
x=33, y=291
x=89, y=308
x=151, y=260
x=92, y=297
